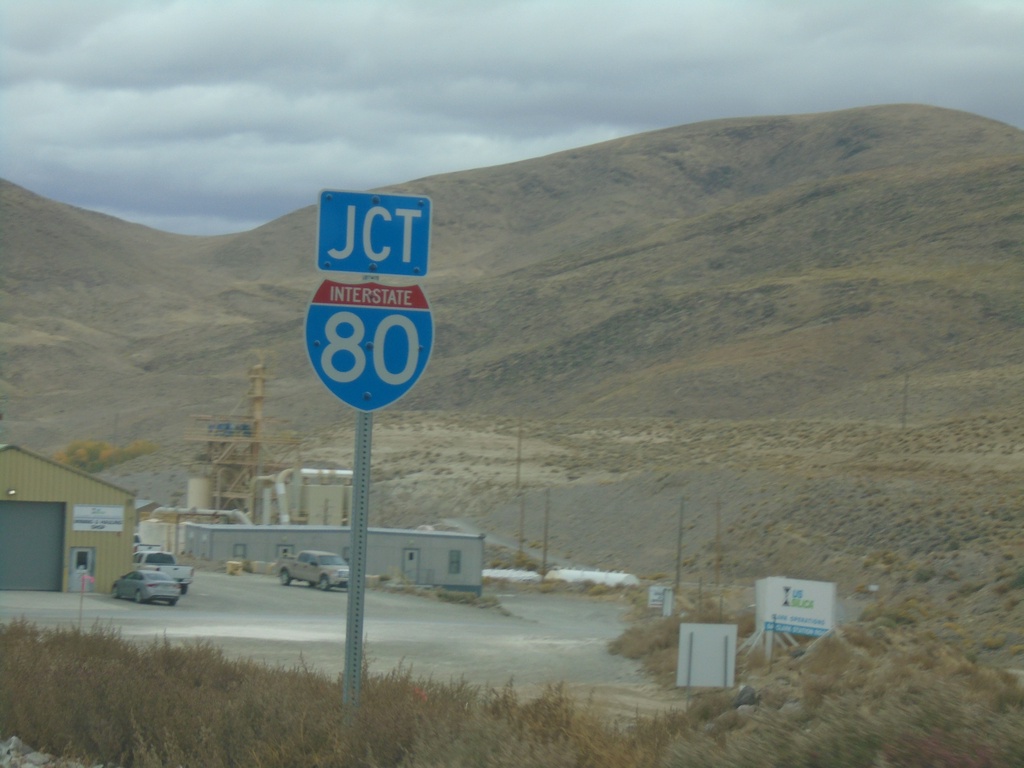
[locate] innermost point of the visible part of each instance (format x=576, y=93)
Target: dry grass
x=851, y=699
x=93, y=696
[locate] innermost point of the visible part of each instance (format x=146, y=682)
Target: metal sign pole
x=357, y=573
x=679, y=543
x=689, y=668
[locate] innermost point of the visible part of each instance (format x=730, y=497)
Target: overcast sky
x=213, y=116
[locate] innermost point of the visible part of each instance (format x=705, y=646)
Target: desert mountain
x=745, y=268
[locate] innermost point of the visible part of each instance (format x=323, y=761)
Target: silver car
x=147, y=587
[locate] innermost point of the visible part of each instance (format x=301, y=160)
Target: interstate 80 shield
x=369, y=343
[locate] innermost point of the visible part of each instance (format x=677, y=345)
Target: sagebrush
x=96, y=697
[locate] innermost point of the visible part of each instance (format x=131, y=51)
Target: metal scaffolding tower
x=235, y=449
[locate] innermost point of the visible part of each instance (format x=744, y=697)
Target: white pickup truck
x=167, y=563
x=319, y=569
x=138, y=546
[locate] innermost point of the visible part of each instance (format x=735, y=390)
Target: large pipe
x=266, y=481
x=265, y=505
x=283, y=478
x=325, y=473
x=281, y=486
x=235, y=514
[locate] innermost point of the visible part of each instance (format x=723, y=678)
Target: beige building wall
x=27, y=477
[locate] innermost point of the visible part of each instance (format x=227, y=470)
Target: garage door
x=31, y=543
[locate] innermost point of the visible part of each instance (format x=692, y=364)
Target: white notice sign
x=656, y=596
x=707, y=656
x=102, y=518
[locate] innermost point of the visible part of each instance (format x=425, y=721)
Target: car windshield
x=331, y=560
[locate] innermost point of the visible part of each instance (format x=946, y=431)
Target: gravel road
x=536, y=639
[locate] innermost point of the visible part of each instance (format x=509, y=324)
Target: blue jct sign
x=368, y=233
x=369, y=343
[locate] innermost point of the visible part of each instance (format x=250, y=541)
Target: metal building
x=58, y=524
x=443, y=559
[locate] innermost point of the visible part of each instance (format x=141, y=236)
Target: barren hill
x=733, y=269
x=809, y=326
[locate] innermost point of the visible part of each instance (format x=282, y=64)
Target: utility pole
x=519, y=491
x=519, y=453
x=522, y=522
x=679, y=544
x=718, y=540
x=547, y=515
x=903, y=412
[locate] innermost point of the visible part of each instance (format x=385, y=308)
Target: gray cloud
x=210, y=117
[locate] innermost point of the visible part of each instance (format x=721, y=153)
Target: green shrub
x=1018, y=580
x=921, y=575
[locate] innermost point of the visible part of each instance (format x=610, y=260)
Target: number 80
x=352, y=344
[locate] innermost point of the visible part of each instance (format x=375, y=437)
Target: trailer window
x=454, y=561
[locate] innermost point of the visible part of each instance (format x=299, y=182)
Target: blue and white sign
x=373, y=234
x=795, y=606
x=369, y=343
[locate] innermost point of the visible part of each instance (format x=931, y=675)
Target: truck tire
x=285, y=577
x=324, y=584
x=184, y=589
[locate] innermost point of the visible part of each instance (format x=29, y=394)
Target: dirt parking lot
x=533, y=640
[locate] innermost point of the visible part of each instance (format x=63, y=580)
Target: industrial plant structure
x=245, y=503
x=234, y=451
x=239, y=476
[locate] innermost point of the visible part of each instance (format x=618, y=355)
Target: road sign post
x=351, y=684
x=369, y=344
